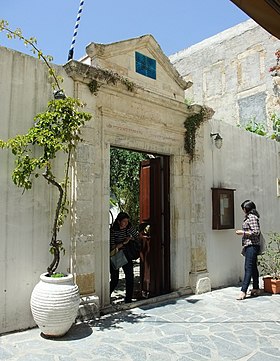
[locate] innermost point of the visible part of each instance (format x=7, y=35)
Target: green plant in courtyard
x=56, y=130
x=255, y=127
x=275, y=126
x=269, y=261
x=124, y=181
x=259, y=128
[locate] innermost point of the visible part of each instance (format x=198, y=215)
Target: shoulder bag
x=118, y=259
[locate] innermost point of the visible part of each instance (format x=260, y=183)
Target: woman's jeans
x=129, y=279
x=251, y=268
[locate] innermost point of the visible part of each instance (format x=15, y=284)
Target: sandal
x=242, y=296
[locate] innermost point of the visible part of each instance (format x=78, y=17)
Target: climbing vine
x=109, y=77
x=192, y=123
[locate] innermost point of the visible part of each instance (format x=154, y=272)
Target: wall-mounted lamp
x=59, y=94
x=218, y=140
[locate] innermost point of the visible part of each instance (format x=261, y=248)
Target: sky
x=176, y=25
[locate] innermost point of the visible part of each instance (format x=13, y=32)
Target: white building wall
x=25, y=219
x=250, y=164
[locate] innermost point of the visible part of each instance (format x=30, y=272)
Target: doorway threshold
x=114, y=308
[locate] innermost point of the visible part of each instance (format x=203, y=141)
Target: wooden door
x=154, y=211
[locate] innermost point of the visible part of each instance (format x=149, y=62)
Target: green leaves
x=57, y=129
x=275, y=118
x=58, y=245
x=259, y=128
x=191, y=124
x=269, y=261
x=255, y=127
x=124, y=180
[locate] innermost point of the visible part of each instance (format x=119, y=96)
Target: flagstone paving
x=211, y=326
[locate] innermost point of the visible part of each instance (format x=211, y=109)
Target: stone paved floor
x=212, y=326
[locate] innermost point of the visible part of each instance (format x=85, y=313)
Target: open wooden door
x=154, y=210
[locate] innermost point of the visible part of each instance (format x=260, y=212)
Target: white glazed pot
x=54, y=304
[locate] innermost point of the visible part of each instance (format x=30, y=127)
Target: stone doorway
x=151, y=206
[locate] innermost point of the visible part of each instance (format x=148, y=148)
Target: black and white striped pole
x=71, y=51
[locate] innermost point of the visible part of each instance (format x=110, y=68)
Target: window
x=145, y=65
x=222, y=208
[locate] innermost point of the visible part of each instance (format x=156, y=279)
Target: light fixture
x=218, y=140
x=59, y=94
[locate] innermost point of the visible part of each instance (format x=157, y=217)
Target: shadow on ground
x=115, y=320
x=76, y=332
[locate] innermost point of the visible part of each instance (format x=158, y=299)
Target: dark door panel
x=154, y=210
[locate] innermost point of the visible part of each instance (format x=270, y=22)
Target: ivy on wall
x=109, y=77
x=191, y=124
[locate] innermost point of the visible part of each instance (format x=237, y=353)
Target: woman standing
x=251, y=246
x=121, y=233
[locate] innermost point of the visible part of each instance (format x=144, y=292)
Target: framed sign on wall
x=222, y=208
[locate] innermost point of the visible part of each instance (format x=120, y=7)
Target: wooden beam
x=265, y=12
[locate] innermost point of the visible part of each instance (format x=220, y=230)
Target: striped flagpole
x=71, y=51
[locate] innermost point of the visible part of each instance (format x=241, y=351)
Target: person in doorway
x=251, y=246
x=120, y=234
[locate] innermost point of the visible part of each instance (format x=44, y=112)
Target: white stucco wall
x=25, y=219
x=250, y=164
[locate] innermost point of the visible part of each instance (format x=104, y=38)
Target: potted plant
x=269, y=262
x=55, y=299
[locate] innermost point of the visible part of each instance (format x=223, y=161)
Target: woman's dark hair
x=249, y=207
x=120, y=217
